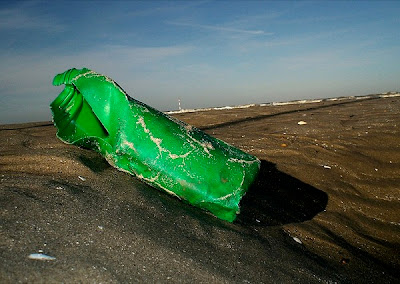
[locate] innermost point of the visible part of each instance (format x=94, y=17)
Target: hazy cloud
x=20, y=19
x=221, y=28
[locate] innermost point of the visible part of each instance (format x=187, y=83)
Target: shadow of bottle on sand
x=276, y=198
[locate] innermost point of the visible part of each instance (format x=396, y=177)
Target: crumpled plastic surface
x=94, y=112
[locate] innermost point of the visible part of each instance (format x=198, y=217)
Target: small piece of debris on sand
x=40, y=256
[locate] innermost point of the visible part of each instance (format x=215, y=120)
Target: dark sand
x=325, y=209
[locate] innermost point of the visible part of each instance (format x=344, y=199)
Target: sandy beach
x=324, y=209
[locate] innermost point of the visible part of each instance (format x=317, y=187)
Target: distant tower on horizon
x=179, y=104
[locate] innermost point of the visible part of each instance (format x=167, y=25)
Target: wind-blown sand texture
x=325, y=208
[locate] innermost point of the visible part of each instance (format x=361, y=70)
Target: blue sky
x=207, y=53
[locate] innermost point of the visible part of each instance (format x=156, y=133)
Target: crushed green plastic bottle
x=94, y=112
